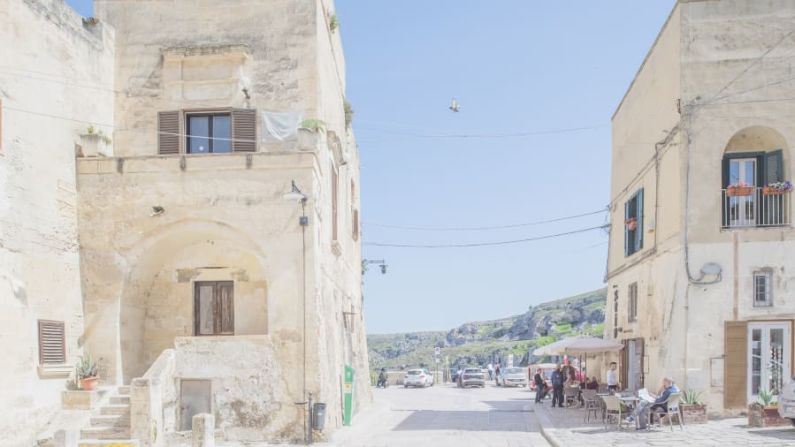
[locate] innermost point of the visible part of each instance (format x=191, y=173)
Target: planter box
x=759, y=416
x=768, y=191
x=694, y=414
x=93, y=145
x=79, y=399
x=739, y=191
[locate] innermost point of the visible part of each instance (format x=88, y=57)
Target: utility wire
x=484, y=135
x=485, y=244
x=485, y=228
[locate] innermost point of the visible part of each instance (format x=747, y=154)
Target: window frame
x=632, y=302
x=767, y=275
x=187, y=115
x=41, y=324
x=217, y=306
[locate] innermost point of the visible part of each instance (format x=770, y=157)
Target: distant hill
x=479, y=342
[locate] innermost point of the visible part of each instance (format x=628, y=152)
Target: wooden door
x=195, y=397
x=214, y=308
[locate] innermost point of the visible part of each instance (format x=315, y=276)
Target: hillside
x=479, y=342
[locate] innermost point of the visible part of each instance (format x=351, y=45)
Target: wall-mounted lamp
x=157, y=210
x=296, y=195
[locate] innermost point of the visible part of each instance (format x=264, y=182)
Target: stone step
x=119, y=409
x=114, y=420
x=109, y=442
x=124, y=390
x=116, y=400
x=105, y=433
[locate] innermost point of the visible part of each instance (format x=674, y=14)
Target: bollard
x=203, y=428
x=66, y=438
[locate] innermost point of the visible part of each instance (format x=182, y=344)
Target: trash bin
x=319, y=416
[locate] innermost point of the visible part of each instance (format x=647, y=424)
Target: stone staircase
x=111, y=425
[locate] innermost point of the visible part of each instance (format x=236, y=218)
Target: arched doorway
x=165, y=293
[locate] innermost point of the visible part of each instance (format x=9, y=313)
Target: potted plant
x=94, y=142
x=777, y=188
x=739, y=189
x=764, y=412
x=693, y=410
x=631, y=223
x=86, y=373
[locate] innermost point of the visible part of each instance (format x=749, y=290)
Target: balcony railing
x=755, y=209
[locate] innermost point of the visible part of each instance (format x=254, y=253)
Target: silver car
x=472, y=377
x=512, y=376
x=418, y=377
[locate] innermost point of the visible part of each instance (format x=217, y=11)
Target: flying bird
x=455, y=106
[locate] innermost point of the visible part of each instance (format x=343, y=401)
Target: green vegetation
x=478, y=343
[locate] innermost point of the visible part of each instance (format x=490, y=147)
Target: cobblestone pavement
x=444, y=415
x=565, y=427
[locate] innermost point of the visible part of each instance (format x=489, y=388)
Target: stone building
x=700, y=282
x=175, y=247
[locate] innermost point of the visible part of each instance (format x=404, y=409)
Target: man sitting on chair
x=645, y=409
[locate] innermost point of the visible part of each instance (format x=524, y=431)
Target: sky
x=537, y=83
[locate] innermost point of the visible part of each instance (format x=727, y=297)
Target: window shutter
x=355, y=225
x=735, y=365
x=639, y=215
x=244, y=130
x=226, y=308
x=52, y=342
x=168, y=134
x=626, y=230
x=774, y=167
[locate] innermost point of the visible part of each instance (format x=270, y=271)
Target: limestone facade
x=176, y=241
x=700, y=284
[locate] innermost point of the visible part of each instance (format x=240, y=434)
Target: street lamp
x=296, y=195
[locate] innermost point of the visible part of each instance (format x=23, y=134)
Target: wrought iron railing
x=755, y=207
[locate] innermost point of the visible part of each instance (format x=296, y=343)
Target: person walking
x=541, y=386
x=497, y=374
x=491, y=371
x=558, y=379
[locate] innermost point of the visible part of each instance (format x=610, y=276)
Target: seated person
x=645, y=410
x=592, y=384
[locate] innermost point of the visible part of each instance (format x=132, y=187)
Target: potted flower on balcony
x=86, y=372
x=693, y=410
x=777, y=188
x=739, y=189
x=94, y=143
x=764, y=412
x=631, y=223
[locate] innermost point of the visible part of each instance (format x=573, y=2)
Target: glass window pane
x=222, y=132
x=750, y=172
x=776, y=359
x=206, y=314
x=756, y=360
x=199, y=129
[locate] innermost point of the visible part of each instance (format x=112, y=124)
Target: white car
x=512, y=376
x=418, y=377
x=786, y=401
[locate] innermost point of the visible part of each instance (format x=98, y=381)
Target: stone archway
x=157, y=296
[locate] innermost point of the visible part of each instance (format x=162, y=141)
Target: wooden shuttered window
x=168, y=132
x=214, y=308
x=334, y=195
x=52, y=342
x=735, y=365
x=244, y=130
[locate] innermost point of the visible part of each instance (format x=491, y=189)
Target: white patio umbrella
x=579, y=345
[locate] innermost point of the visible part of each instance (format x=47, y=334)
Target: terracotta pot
x=89, y=383
x=694, y=414
x=768, y=191
x=632, y=225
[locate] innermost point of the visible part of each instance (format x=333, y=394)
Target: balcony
x=752, y=207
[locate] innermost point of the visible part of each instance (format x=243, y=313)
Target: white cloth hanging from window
x=280, y=126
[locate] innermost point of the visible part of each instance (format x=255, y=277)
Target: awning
x=579, y=345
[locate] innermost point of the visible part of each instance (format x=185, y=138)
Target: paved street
x=446, y=416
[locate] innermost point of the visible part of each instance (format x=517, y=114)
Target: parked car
x=418, y=377
x=786, y=401
x=512, y=376
x=472, y=377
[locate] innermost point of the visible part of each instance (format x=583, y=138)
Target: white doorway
x=768, y=358
x=742, y=209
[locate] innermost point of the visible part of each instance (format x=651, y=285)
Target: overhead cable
x=484, y=228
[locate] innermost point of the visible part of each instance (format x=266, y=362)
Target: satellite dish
x=711, y=268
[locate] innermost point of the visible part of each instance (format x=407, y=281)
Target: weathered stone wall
x=55, y=81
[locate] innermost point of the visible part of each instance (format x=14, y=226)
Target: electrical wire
x=485, y=135
x=485, y=244
x=485, y=228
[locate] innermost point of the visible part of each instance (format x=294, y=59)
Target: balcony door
x=214, y=308
x=768, y=358
x=742, y=209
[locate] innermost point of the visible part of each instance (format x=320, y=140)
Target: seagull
x=454, y=106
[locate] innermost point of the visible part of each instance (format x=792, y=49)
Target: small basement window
x=762, y=289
